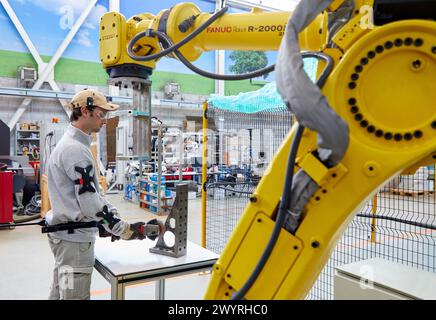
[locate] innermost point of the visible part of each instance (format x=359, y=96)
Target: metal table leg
x=160, y=289
x=117, y=290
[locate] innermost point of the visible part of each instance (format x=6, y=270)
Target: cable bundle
x=34, y=206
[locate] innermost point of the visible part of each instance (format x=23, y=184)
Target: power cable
x=285, y=203
x=173, y=49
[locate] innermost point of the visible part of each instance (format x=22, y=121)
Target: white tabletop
x=413, y=282
x=123, y=258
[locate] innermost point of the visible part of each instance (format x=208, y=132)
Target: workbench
x=124, y=263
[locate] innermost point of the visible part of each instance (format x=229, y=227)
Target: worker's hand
x=107, y=217
x=104, y=234
x=140, y=230
x=135, y=231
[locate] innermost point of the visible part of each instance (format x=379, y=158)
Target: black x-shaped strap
x=86, y=179
x=108, y=217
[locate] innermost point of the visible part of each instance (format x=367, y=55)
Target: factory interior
x=218, y=150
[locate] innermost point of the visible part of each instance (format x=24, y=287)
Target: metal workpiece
x=176, y=223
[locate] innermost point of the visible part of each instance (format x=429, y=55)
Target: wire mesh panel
x=398, y=225
x=225, y=204
x=240, y=147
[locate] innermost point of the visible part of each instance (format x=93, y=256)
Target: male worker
x=74, y=196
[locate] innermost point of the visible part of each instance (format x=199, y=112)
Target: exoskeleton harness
x=71, y=226
x=85, y=186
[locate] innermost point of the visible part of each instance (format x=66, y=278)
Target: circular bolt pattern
x=416, y=64
x=398, y=42
x=388, y=136
x=398, y=137
x=408, y=136
x=354, y=109
x=379, y=49
x=389, y=45
x=418, y=42
x=408, y=42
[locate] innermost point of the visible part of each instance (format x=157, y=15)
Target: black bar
x=386, y=11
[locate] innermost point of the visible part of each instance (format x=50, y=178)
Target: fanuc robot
x=370, y=116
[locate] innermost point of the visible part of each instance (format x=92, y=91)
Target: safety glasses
x=101, y=115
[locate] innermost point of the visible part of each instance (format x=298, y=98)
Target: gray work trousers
x=74, y=263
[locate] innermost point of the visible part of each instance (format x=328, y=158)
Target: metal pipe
x=374, y=220
x=204, y=178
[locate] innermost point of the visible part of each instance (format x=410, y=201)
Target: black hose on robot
x=286, y=196
x=173, y=49
x=285, y=203
x=163, y=37
x=281, y=216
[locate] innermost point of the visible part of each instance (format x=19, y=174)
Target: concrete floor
x=26, y=262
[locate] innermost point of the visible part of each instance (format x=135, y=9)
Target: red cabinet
x=6, y=197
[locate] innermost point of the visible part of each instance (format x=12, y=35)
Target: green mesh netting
x=265, y=98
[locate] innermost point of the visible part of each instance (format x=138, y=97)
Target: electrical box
x=51, y=134
x=171, y=89
x=27, y=76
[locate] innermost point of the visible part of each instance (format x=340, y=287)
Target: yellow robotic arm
x=257, y=30
x=380, y=83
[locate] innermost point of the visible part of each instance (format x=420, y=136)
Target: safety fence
x=397, y=224
x=239, y=146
